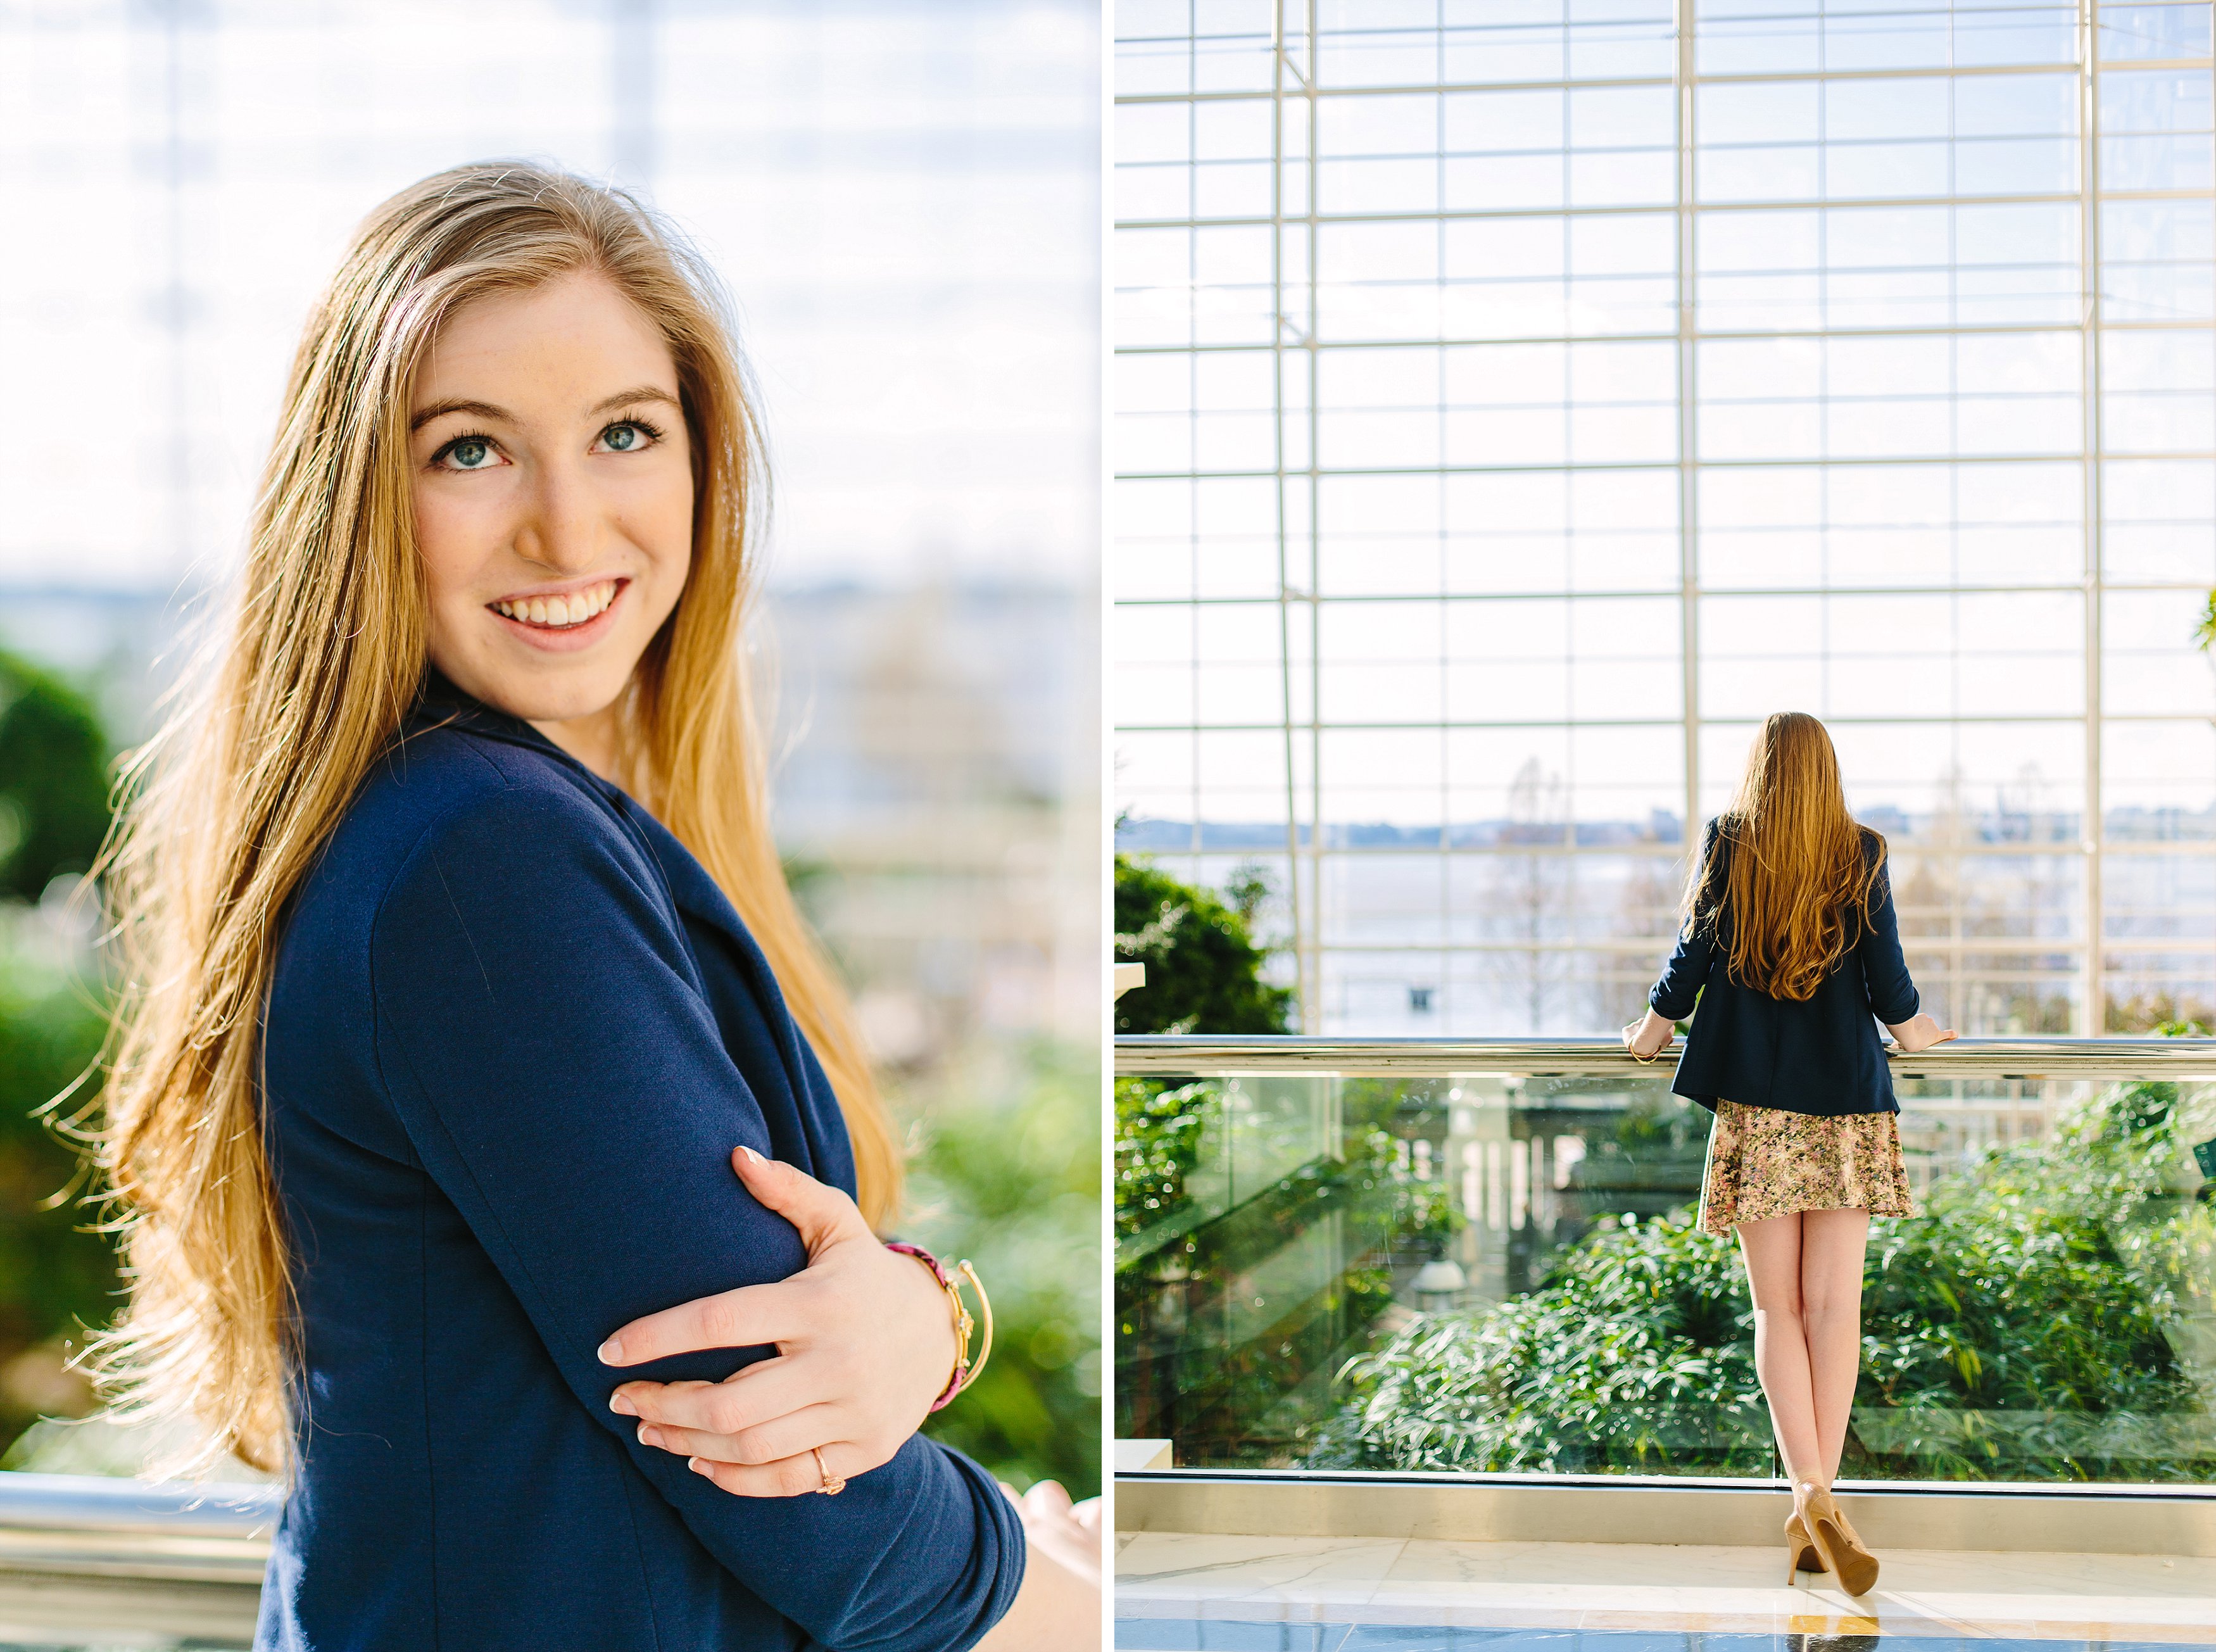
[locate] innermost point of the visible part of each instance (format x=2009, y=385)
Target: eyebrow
x=440, y=410
x=630, y=397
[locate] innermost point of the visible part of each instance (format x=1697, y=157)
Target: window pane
x=1878, y=404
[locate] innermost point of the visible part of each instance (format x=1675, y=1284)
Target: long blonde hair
x=1790, y=864
x=315, y=659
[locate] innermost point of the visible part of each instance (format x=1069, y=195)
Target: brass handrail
x=1202, y=1056
x=88, y=1527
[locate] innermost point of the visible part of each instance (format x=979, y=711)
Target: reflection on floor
x=1176, y=1592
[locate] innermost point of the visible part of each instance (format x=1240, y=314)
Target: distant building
x=939, y=785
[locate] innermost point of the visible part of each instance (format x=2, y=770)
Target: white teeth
x=572, y=608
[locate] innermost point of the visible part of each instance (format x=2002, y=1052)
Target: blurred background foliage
x=53, y=813
x=1007, y=1173
x=53, y=779
x=54, y=1276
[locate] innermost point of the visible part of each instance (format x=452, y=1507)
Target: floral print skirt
x=1765, y=1162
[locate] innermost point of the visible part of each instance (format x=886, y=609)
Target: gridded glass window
x=1518, y=405
x=190, y=171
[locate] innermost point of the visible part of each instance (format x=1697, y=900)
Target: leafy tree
x=2022, y=1327
x=2052, y=1278
x=53, y=779
x=1204, y=970
x=1637, y=1354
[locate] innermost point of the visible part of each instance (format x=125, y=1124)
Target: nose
x=561, y=527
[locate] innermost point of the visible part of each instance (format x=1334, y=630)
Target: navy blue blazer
x=515, y=1034
x=1821, y=1057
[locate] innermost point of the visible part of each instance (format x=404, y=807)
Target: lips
x=562, y=610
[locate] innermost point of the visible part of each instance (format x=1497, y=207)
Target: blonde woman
x=1792, y=950
x=477, y=1077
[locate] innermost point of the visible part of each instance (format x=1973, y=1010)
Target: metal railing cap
x=1205, y=1055
x=83, y=1502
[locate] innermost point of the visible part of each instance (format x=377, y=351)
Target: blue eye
x=470, y=453
x=623, y=438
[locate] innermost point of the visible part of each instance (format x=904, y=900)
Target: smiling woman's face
x=553, y=492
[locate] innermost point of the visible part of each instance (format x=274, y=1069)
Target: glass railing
x=1481, y=1256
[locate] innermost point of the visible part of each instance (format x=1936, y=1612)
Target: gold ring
x=830, y=1487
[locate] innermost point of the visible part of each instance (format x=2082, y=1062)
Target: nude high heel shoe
x=1836, y=1543
x=1805, y=1558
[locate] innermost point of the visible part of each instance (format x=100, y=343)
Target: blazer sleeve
x=1892, y=993
x=1683, y=976
x=544, y=1038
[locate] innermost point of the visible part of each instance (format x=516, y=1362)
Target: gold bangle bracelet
x=965, y=1372
x=985, y=1307
x=956, y=1379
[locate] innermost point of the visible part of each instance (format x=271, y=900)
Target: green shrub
x=2025, y=1325
x=2042, y=1290
x=1634, y=1355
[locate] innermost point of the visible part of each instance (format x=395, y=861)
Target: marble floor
x=1177, y=1592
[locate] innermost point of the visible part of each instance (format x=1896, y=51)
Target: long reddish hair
x=1789, y=862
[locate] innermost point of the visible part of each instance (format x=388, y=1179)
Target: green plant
x=1204, y=970
x=53, y=779
x=2024, y=1325
x=1230, y=1320
x=54, y=1276
x=1634, y=1355
x=2048, y=1284
x=1008, y=1174
x=1159, y=1134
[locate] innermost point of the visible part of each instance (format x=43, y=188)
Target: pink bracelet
x=965, y=1372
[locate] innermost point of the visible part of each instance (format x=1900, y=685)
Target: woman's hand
x=1069, y=1532
x=1649, y=1036
x=1057, y=1608
x=865, y=1340
x=1919, y=1032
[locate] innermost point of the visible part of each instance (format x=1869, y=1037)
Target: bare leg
x=1832, y=1246
x=1772, y=1250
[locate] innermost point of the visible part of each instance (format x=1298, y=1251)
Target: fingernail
x=621, y=1405
x=696, y=1465
x=611, y=1351
x=648, y=1434
x=753, y=1158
